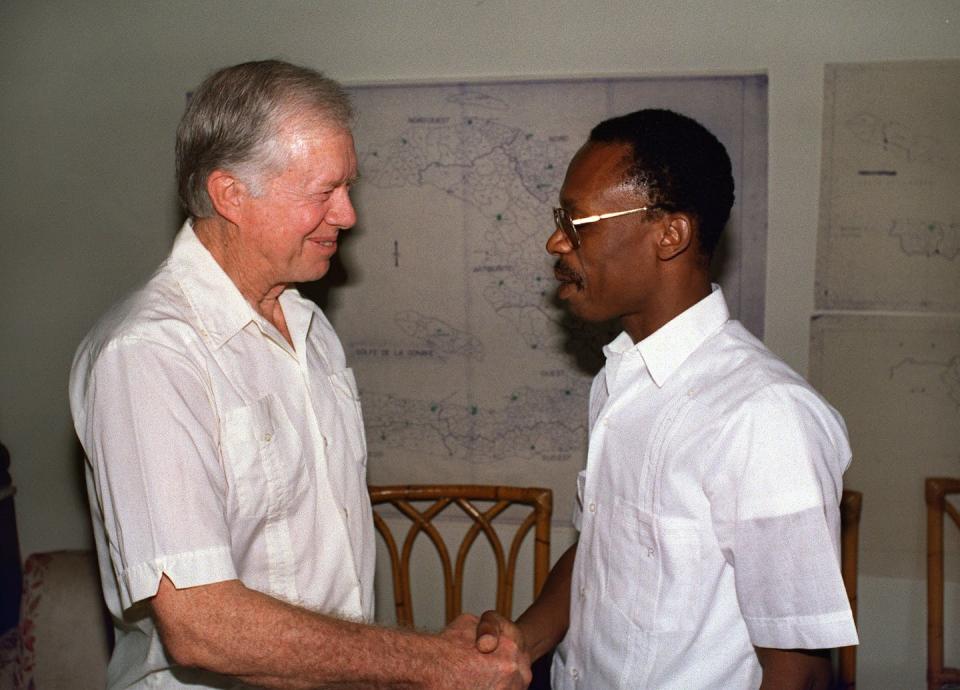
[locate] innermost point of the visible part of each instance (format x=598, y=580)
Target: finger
x=462, y=629
x=527, y=673
x=465, y=621
x=488, y=632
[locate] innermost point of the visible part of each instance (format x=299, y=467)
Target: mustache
x=566, y=274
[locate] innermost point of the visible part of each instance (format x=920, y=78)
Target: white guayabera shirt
x=708, y=513
x=217, y=451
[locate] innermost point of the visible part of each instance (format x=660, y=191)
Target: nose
x=341, y=212
x=558, y=243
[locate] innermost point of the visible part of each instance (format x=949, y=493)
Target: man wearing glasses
x=708, y=554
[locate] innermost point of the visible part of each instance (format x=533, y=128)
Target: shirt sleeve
x=151, y=439
x=775, y=506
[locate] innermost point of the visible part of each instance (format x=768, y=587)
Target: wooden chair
x=431, y=501
x=937, y=490
x=850, y=503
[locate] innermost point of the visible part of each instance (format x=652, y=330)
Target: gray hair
x=233, y=123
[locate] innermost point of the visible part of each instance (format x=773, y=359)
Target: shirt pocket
x=630, y=567
x=263, y=458
x=651, y=575
x=681, y=586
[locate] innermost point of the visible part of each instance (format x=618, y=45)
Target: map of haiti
x=508, y=178
x=468, y=368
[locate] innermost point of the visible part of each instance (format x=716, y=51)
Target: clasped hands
x=496, y=653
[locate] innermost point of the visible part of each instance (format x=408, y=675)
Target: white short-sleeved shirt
x=217, y=451
x=708, y=513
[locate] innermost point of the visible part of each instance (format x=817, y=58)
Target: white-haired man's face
x=289, y=227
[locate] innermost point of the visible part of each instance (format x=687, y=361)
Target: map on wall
x=889, y=203
x=896, y=380
x=885, y=348
x=469, y=371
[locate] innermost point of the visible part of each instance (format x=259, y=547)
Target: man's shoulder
x=737, y=367
x=156, y=312
x=746, y=387
x=152, y=318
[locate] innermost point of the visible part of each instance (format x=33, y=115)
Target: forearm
x=545, y=622
x=236, y=631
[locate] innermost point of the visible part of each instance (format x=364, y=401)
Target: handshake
x=490, y=654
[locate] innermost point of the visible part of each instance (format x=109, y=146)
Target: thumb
x=488, y=632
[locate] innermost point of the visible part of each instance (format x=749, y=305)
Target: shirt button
x=583, y=592
x=267, y=438
x=593, y=507
x=575, y=673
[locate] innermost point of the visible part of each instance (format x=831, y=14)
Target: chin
x=584, y=312
x=322, y=271
x=313, y=274
x=578, y=305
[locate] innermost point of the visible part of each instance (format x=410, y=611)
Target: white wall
x=90, y=94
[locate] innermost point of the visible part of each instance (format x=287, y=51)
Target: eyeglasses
x=569, y=225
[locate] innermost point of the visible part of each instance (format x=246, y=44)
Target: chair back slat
x=850, y=508
x=936, y=491
x=399, y=600
x=481, y=522
x=515, y=545
x=422, y=522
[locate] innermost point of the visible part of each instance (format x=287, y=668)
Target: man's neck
x=221, y=239
x=670, y=302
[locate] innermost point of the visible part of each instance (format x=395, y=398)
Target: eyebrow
x=570, y=205
x=330, y=186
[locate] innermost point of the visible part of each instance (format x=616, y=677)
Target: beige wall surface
x=91, y=94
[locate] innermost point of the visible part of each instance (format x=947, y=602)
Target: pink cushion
x=63, y=636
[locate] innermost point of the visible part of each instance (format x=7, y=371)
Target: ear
x=227, y=194
x=675, y=236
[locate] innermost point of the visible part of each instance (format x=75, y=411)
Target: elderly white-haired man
x=226, y=456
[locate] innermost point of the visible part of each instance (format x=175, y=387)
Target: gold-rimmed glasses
x=569, y=225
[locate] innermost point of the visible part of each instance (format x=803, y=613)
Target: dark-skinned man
x=708, y=554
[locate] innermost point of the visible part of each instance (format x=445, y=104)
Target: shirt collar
x=220, y=308
x=667, y=348
x=298, y=312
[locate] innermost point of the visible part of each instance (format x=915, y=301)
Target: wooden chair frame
x=850, y=508
x=501, y=497
x=937, y=490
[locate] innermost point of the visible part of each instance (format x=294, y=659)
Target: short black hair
x=678, y=164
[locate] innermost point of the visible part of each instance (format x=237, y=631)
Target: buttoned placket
x=278, y=539
x=629, y=369
x=321, y=463
x=622, y=369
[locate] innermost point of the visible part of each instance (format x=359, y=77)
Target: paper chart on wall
x=896, y=381
x=889, y=236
